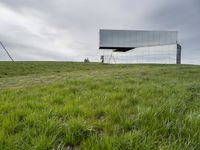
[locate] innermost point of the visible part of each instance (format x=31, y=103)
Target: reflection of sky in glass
x=132, y=38
x=157, y=54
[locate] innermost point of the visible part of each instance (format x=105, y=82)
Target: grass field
x=57, y=105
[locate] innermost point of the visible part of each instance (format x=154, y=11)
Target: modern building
x=138, y=46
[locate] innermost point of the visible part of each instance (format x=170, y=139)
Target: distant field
x=63, y=105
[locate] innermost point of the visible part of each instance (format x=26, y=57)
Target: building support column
x=178, y=55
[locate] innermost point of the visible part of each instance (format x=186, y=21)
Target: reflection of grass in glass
x=46, y=105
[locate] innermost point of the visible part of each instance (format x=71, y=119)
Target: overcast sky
x=67, y=30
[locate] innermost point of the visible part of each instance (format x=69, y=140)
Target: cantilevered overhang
x=125, y=40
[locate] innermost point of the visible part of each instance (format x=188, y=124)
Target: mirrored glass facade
x=165, y=54
x=132, y=46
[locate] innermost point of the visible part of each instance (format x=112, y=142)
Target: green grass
x=57, y=105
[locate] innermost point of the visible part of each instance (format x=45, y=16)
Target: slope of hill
x=57, y=105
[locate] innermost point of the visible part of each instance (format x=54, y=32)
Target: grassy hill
x=57, y=105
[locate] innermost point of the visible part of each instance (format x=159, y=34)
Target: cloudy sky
x=67, y=30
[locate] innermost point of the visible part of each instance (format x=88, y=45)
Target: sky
x=68, y=30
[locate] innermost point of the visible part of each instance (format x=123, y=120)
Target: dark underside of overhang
x=118, y=49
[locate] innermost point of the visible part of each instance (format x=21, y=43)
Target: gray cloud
x=68, y=30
